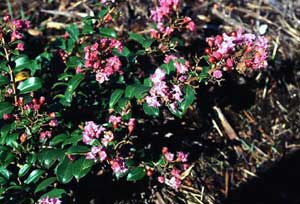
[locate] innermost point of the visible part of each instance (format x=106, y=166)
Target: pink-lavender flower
x=107, y=137
x=174, y=182
x=118, y=166
x=47, y=200
x=182, y=157
x=20, y=46
x=91, y=132
x=217, y=74
x=46, y=134
x=161, y=179
x=169, y=156
x=158, y=76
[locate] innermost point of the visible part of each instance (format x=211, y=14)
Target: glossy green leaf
x=58, y=139
x=73, y=32
x=3, y=80
x=73, y=62
x=150, y=110
x=24, y=62
x=34, y=176
x=169, y=67
x=136, y=174
x=64, y=171
x=78, y=149
x=108, y=32
x=24, y=169
x=44, y=184
x=145, y=42
x=55, y=193
x=5, y=108
x=4, y=172
x=188, y=99
x=31, y=84
x=115, y=96
x=81, y=167
x=47, y=157
x=138, y=91
x=72, y=85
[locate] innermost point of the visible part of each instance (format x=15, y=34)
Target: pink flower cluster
x=93, y=131
x=161, y=92
x=173, y=176
x=18, y=27
x=99, y=57
x=45, y=134
x=164, y=10
x=48, y=200
x=15, y=29
x=118, y=165
x=223, y=51
x=162, y=15
x=97, y=152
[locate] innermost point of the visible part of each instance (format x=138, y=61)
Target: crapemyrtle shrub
x=43, y=147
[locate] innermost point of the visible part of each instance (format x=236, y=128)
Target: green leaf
x=73, y=139
x=81, y=167
x=5, y=108
x=138, y=91
x=123, y=102
x=188, y=99
x=73, y=61
x=34, y=176
x=55, y=193
x=31, y=84
x=136, y=174
x=6, y=158
x=24, y=169
x=145, y=42
x=3, y=80
x=150, y=110
x=162, y=161
x=73, y=32
x=87, y=27
x=72, y=85
x=12, y=140
x=170, y=67
x=77, y=150
x=64, y=171
x=58, y=139
x=44, y=184
x=204, y=73
x=125, y=52
x=48, y=156
x=115, y=96
x=108, y=32
x=136, y=37
x=4, y=172
x=4, y=67
x=24, y=62
x=141, y=91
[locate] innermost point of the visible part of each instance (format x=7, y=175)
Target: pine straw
x=280, y=17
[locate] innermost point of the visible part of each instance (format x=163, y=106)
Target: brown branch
x=11, y=74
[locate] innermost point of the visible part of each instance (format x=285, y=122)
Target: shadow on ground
x=278, y=185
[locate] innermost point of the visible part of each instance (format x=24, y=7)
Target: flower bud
x=6, y=18
x=165, y=150
x=211, y=59
x=52, y=115
x=42, y=100
x=23, y=138
x=149, y=172
x=21, y=101
x=207, y=51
